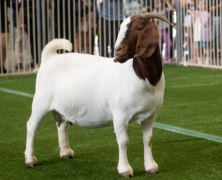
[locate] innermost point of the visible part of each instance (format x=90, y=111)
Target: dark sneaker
x=3, y=70
x=32, y=64
x=19, y=66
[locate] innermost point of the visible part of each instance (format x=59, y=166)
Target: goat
x=93, y=91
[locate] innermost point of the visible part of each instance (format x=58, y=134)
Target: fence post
x=39, y=31
x=44, y=32
x=178, y=33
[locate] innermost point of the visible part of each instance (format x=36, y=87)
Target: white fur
x=93, y=91
x=122, y=31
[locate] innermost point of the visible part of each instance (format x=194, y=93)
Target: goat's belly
x=88, y=119
x=91, y=123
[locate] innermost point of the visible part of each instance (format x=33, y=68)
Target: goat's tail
x=51, y=48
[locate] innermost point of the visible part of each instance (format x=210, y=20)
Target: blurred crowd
x=81, y=21
x=200, y=18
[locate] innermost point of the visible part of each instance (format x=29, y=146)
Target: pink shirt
x=205, y=28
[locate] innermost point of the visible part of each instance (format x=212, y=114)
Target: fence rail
x=92, y=27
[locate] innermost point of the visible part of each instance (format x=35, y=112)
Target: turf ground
x=193, y=100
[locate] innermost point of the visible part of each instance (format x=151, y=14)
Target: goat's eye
x=139, y=28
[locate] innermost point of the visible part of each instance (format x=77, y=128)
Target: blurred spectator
x=19, y=35
x=86, y=30
x=35, y=34
x=170, y=29
x=188, y=7
x=111, y=11
x=133, y=7
x=149, y=5
x=163, y=35
x=202, y=33
x=4, y=35
x=62, y=22
x=216, y=9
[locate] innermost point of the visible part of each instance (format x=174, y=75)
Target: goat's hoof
x=125, y=170
x=66, y=153
x=30, y=165
x=152, y=172
x=125, y=175
x=31, y=162
x=151, y=168
x=67, y=157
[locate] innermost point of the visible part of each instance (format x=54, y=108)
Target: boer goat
x=93, y=91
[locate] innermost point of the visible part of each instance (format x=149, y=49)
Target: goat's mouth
x=121, y=59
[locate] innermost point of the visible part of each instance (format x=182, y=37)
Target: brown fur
x=149, y=68
x=141, y=42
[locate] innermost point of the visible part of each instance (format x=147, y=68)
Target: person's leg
x=160, y=38
x=19, y=48
x=197, y=52
x=4, y=35
x=216, y=33
x=207, y=53
x=190, y=43
x=168, y=43
x=160, y=41
x=4, y=41
x=170, y=34
x=30, y=33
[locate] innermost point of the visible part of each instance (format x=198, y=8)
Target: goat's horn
x=158, y=16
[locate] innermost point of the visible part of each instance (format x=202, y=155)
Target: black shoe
x=2, y=70
x=32, y=65
x=19, y=66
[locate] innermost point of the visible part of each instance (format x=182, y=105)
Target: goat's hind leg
x=64, y=148
x=38, y=113
x=151, y=166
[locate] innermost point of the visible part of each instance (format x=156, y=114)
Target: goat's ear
x=147, y=41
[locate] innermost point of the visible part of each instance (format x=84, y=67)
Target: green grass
x=192, y=100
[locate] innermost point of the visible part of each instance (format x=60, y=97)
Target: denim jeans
x=216, y=29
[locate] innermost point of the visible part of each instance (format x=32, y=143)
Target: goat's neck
x=149, y=68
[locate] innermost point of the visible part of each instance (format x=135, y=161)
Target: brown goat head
x=138, y=36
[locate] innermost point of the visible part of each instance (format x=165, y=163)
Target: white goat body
x=90, y=90
x=93, y=91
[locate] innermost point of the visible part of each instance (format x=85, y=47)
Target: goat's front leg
x=151, y=166
x=64, y=148
x=120, y=127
